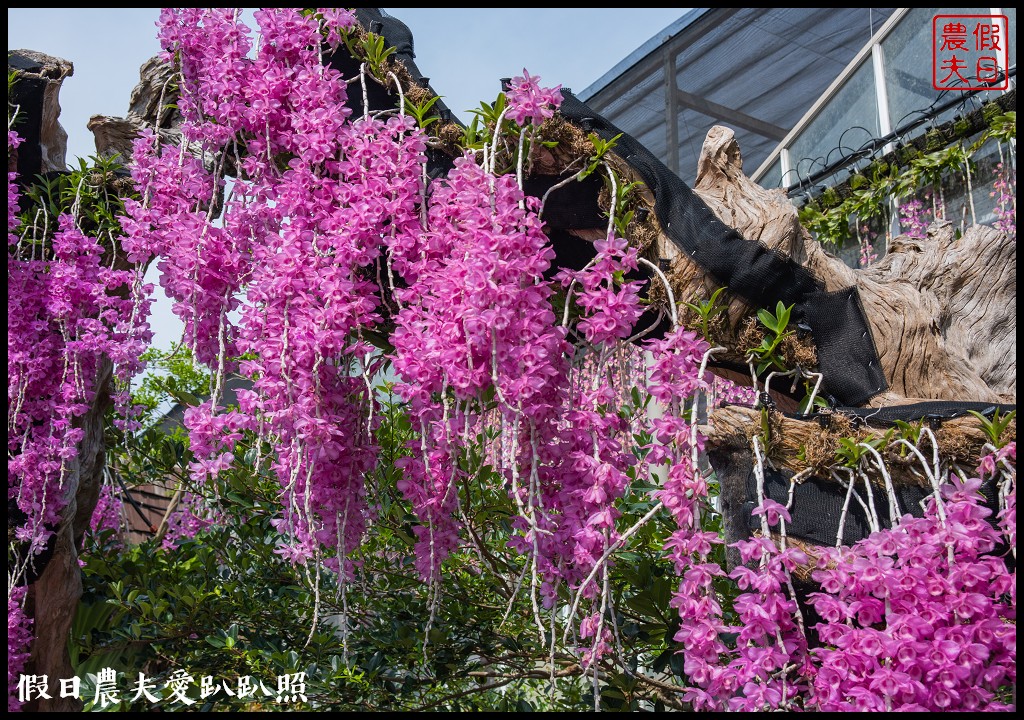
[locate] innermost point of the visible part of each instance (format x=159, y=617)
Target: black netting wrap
x=27, y=93
x=761, y=276
x=379, y=97
x=818, y=506
x=576, y=208
x=846, y=349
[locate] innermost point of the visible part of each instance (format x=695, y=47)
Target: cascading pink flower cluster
x=68, y=308
x=919, y=617
x=585, y=474
x=1004, y=190
x=770, y=659
x=752, y=675
x=300, y=237
x=914, y=218
x=587, y=451
x=588, y=466
x=475, y=318
x=1001, y=461
x=674, y=380
x=202, y=281
x=610, y=309
x=109, y=512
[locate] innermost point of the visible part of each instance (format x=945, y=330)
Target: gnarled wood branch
x=942, y=310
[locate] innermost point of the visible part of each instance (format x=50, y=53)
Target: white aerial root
x=694, y=459
x=765, y=532
x=668, y=290
x=515, y=592
x=794, y=481
x=644, y=333
x=850, y=492
x=401, y=95
x=560, y=184
x=872, y=512
x=759, y=477
x=600, y=563
x=494, y=147
x=940, y=507
x=366, y=97
x=753, y=380
x=894, y=505
x=612, y=202
x=520, y=163
x=797, y=373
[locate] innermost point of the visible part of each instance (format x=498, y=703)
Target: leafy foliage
x=872, y=190
x=766, y=354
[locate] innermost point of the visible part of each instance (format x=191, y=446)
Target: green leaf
x=768, y=320
x=782, y=313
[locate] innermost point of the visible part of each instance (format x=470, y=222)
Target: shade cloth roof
x=755, y=70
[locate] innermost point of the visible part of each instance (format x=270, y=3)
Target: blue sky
x=464, y=52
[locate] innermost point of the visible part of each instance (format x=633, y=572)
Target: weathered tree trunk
x=942, y=311
x=36, y=102
x=54, y=596
x=56, y=593
x=151, y=106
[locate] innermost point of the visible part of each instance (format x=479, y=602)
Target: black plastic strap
x=932, y=410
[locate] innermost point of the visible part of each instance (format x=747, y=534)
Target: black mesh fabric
x=760, y=275
x=576, y=207
x=27, y=95
x=570, y=252
x=379, y=97
x=852, y=370
x=818, y=505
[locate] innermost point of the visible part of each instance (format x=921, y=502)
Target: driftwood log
x=941, y=311
x=152, y=105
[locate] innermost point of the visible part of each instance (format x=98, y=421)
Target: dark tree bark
x=54, y=596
